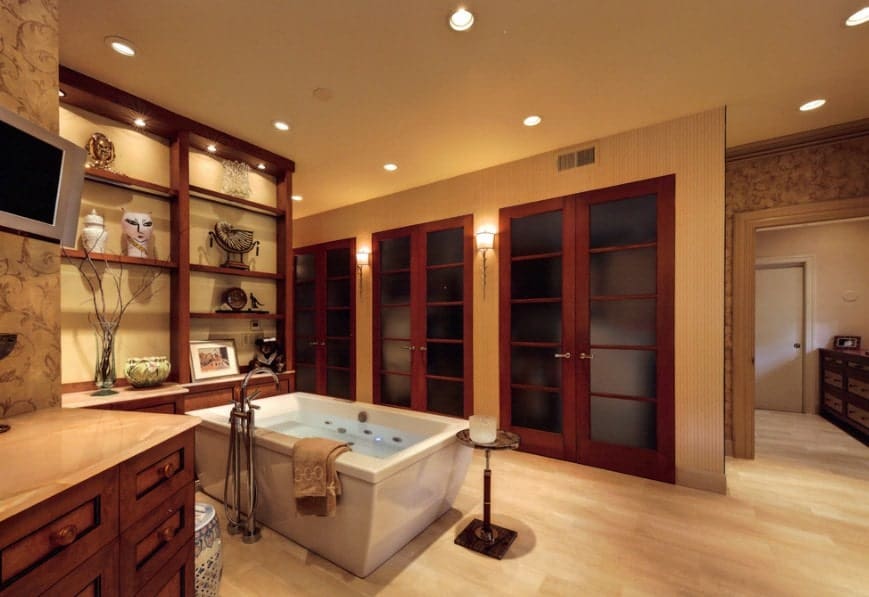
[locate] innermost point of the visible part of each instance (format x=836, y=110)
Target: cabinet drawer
x=150, y=543
x=167, y=408
x=269, y=388
x=207, y=399
x=864, y=367
x=42, y=544
x=855, y=413
x=98, y=576
x=832, y=402
x=150, y=478
x=833, y=379
x=176, y=578
x=859, y=387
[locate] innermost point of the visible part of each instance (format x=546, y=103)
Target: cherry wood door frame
x=659, y=464
x=745, y=225
x=555, y=445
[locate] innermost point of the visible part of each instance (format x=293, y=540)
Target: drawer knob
x=64, y=536
x=167, y=470
x=166, y=534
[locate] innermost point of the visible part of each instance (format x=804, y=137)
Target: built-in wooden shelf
x=120, y=180
x=228, y=271
x=123, y=259
x=224, y=199
x=236, y=315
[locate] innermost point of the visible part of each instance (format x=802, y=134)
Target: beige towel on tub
x=315, y=480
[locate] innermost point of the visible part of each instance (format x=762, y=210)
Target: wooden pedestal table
x=481, y=535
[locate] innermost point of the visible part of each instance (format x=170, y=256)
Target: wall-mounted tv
x=41, y=176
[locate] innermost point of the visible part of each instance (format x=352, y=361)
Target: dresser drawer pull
x=167, y=470
x=166, y=535
x=64, y=536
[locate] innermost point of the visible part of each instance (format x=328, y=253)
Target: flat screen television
x=41, y=176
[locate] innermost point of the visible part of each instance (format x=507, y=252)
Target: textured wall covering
x=838, y=170
x=29, y=272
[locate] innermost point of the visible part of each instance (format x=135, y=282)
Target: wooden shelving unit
x=183, y=136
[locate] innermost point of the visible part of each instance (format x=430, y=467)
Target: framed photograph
x=846, y=342
x=212, y=358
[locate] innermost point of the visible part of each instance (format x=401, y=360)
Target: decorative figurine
x=94, y=233
x=268, y=354
x=255, y=303
x=101, y=152
x=235, y=242
x=137, y=227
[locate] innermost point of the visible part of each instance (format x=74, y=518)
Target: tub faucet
x=241, y=440
x=244, y=399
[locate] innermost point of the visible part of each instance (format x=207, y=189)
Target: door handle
x=408, y=348
x=583, y=355
x=562, y=355
x=796, y=344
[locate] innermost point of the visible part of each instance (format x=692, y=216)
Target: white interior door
x=778, y=340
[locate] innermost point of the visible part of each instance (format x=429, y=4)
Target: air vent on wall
x=576, y=158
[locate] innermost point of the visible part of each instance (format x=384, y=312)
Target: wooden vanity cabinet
x=125, y=531
x=844, y=381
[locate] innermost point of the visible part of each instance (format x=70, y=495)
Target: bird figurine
x=235, y=242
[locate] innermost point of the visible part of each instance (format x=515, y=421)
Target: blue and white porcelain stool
x=208, y=552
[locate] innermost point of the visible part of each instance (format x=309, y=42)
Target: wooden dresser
x=97, y=502
x=844, y=390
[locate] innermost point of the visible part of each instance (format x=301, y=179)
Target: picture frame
x=846, y=342
x=212, y=358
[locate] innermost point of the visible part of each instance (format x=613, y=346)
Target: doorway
x=745, y=227
x=586, y=303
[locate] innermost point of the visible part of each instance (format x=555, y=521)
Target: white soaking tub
x=404, y=471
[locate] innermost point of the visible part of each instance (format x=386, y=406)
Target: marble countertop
x=124, y=394
x=52, y=449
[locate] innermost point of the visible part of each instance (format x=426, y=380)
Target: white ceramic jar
x=94, y=234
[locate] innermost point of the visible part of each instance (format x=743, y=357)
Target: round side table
x=481, y=535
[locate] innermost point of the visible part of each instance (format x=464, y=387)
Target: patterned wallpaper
x=838, y=170
x=29, y=269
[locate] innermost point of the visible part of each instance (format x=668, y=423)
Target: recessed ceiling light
x=281, y=125
x=61, y=93
x=812, y=105
x=858, y=18
x=120, y=45
x=390, y=167
x=532, y=120
x=140, y=122
x=461, y=20
x=211, y=147
x=261, y=166
x=296, y=197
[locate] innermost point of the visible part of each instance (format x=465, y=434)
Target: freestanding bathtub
x=404, y=471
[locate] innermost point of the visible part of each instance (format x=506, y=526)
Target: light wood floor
x=795, y=522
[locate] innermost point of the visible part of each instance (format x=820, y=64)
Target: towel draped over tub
x=315, y=480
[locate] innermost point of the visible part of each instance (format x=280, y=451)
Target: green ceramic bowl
x=144, y=372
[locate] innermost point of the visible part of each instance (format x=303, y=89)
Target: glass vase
x=104, y=373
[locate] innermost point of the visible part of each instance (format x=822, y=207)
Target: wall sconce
x=485, y=243
x=362, y=261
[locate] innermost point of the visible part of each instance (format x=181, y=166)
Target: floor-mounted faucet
x=241, y=433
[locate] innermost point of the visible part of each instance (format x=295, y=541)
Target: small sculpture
x=137, y=227
x=101, y=152
x=235, y=242
x=268, y=354
x=255, y=303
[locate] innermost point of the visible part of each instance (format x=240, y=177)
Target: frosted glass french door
x=422, y=317
x=587, y=327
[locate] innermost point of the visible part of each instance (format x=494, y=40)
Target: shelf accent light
x=485, y=243
x=363, y=259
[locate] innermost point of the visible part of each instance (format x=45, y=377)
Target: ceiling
x=397, y=85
